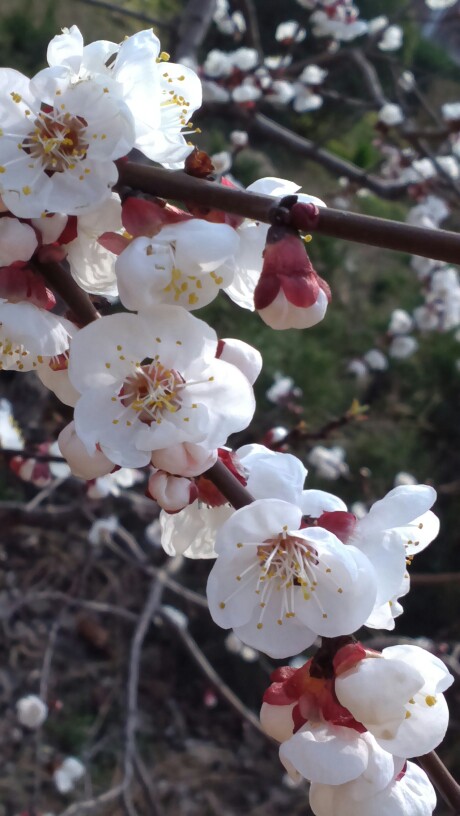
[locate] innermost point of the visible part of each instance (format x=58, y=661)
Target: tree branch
x=193, y=25
x=364, y=229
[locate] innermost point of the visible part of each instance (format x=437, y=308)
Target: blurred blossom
x=102, y=529
x=376, y=360
x=31, y=711
x=402, y=479
x=392, y=38
x=313, y=75
x=403, y=347
x=407, y=81
x=290, y=31
x=391, y=114
x=329, y=462
x=69, y=772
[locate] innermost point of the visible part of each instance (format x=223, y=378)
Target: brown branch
x=442, y=779
x=62, y=282
x=438, y=244
x=270, y=129
x=369, y=75
x=252, y=37
x=434, y=578
x=229, y=485
x=193, y=26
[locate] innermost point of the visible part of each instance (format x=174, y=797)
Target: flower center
x=57, y=140
x=151, y=391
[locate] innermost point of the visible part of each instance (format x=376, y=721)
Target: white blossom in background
x=222, y=162
x=329, y=463
x=440, y=4
x=403, y=347
x=403, y=478
x=376, y=360
x=102, y=530
x=290, y=32
x=239, y=138
x=18, y=241
x=31, y=711
x=377, y=24
x=400, y=322
x=67, y=774
x=407, y=81
x=282, y=389
x=344, y=26
x=391, y=114
x=451, y=111
x=10, y=434
x=313, y=75
x=392, y=38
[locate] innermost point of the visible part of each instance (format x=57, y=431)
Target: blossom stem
x=62, y=282
x=441, y=245
x=229, y=485
x=441, y=779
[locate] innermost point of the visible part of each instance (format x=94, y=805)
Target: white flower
x=400, y=322
x=248, y=91
x=451, y=111
x=401, y=348
x=239, y=138
x=329, y=462
x=376, y=360
x=172, y=493
x=305, y=100
x=392, y=38
x=160, y=96
x=440, y=4
x=398, y=698
x=28, y=334
x=399, y=525
x=377, y=24
x=58, y=143
x=151, y=381
x=411, y=795
x=282, y=388
x=279, y=586
x=407, y=81
x=280, y=92
x=313, y=75
x=217, y=64
x=102, y=529
x=184, y=264
x=69, y=772
x=192, y=532
x=403, y=478
x=329, y=754
x=81, y=463
x=10, y=435
x=18, y=241
x=222, y=162
x=31, y=711
x=245, y=59
x=113, y=484
x=91, y=265
x=242, y=355
x=391, y=114
x=290, y=31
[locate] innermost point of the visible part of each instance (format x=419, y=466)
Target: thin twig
x=207, y=668
x=136, y=15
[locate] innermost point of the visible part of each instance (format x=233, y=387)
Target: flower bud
x=186, y=459
x=172, y=493
x=289, y=293
x=82, y=464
